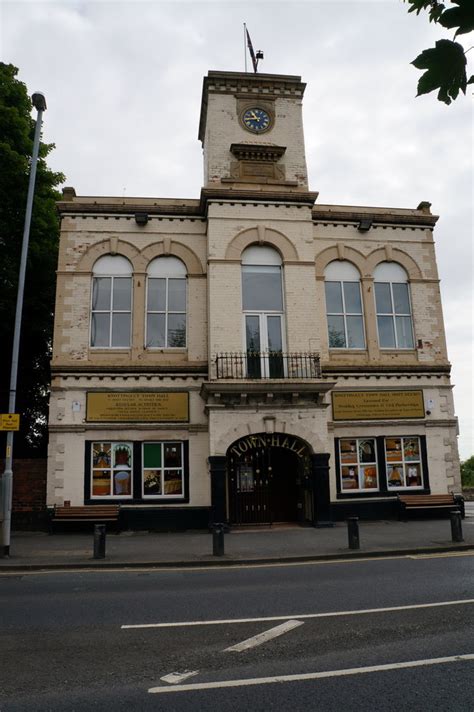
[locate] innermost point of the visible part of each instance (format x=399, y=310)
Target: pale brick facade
x=260, y=439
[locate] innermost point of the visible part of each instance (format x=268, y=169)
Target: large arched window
x=166, y=303
x=262, y=303
x=111, y=308
x=392, y=302
x=344, y=306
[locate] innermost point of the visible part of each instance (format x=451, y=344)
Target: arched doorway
x=269, y=480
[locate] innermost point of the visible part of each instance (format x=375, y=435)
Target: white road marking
x=440, y=556
x=306, y=616
x=174, y=677
x=264, y=637
x=311, y=675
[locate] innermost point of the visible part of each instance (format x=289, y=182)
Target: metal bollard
x=353, y=532
x=456, y=526
x=99, y=541
x=218, y=540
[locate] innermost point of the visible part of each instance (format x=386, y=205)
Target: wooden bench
x=430, y=502
x=96, y=513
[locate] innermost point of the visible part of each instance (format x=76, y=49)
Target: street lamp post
x=39, y=102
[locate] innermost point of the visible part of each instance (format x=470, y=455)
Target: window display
x=358, y=464
x=163, y=469
x=380, y=464
x=116, y=473
x=111, y=469
x=403, y=460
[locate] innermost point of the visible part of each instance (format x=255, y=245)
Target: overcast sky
x=123, y=84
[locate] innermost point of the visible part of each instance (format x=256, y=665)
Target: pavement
x=277, y=544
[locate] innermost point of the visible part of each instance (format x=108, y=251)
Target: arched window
x=111, y=308
x=262, y=303
x=392, y=302
x=344, y=306
x=166, y=303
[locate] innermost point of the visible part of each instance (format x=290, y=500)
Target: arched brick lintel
x=261, y=235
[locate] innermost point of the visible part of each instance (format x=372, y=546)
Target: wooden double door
x=266, y=486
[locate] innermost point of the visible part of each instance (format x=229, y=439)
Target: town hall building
x=250, y=356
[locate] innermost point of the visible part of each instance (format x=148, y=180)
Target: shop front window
x=111, y=468
x=162, y=469
x=381, y=464
x=137, y=471
x=403, y=462
x=358, y=464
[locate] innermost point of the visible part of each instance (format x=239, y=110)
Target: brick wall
x=29, y=493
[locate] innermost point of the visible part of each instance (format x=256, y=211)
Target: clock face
x=256, y=120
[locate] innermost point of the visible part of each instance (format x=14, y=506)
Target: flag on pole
x=252, y=53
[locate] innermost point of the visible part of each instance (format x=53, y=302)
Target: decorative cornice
x=380, y=216
x=383, y=370
x=193, y=209
x=306, y=198
x=264, y=394
x=101, y=207
x=84, y=427
x=257, y=152
x=185, y=369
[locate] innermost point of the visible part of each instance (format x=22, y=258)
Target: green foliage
x=16, y=144
x=445, y=66
x=445, y=63
x=467, y=472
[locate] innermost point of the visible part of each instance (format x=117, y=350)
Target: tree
x=445, y=63
x=467, y=472
x=16, y=144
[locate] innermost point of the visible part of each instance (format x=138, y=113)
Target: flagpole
x=245, y=47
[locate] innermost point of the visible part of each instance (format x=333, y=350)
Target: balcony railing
x=271, y=364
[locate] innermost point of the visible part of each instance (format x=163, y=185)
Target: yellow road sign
x=9, y=421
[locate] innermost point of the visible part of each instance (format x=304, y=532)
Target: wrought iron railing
x=270, y=364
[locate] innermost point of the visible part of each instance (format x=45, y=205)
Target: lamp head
x=39, y=101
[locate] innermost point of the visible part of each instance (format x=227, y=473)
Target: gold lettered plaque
x=377, y=405
x=137, y=407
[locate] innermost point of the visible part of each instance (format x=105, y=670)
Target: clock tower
x=251, y=129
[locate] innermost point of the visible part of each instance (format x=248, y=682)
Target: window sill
x=163, y=498
x=102, y=499
x=164, y=349
x=361, y=494
x=390, y=349
x=131, y=502
x=397, y=490
x=108, y=349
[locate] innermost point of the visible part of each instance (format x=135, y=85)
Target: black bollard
x=456, y=526
x=218, y=540
x=353, y=532
x=99, y=541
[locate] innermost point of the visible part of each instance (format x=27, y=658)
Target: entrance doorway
x=269, y=480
